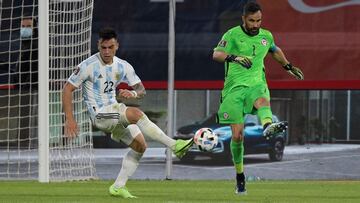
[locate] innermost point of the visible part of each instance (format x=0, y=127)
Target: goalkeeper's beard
x=251, y=31
x=254, y=31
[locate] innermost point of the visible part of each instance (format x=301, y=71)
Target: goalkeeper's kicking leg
x=264, y=113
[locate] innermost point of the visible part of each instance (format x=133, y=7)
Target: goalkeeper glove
x=242, y=60
x=296, y=72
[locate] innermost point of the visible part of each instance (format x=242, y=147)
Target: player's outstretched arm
x=279, y=56
x=71, y=128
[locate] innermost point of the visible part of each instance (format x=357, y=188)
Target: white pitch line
x=263, y=166
x=312, y=172
x=301, y=160
x=258, y=165
x=342, y=156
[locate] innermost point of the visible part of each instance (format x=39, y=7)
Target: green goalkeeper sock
x=265, y=115
x=237, y=152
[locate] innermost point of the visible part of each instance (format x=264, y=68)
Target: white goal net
x=69, y=44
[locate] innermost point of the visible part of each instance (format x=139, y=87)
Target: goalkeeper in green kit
x=243, y=49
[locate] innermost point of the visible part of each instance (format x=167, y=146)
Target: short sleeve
x=225, y=43
x=78, y=76
x=130, y=76
x=272, y=47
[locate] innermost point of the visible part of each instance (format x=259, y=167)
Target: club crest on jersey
x=264, y=42
x=117, y=76
x=226, y=115
x=222, y=43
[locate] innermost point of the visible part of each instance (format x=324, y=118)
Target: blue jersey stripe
x=110, y=92
x=121, y=71
x=96, y=86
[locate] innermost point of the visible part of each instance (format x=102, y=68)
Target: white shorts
x=112, y=119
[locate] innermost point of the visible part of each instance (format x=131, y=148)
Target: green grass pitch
x=173, y=191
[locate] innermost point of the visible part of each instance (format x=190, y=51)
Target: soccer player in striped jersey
x=243, y=49
x=98, y=76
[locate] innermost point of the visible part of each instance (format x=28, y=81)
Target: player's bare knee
x=139, y=144
x=237, y=132
x=133, y=114
x=141, y=148
x=238, y=137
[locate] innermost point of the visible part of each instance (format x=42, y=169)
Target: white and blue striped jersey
x=99, y=80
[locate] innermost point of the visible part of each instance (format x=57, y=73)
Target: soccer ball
x=205, y=139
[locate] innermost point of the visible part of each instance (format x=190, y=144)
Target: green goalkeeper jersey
x=237, y=42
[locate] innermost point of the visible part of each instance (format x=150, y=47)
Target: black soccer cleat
x=240, y=184
x=240, y=189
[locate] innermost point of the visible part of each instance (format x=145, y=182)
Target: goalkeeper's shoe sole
x=275, y=128
x=120, y=192
x=182, y=146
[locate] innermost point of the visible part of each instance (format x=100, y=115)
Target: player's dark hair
x=107, y=33
x=27, y=16
x=251, y=7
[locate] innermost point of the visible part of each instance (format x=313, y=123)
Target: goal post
x=32, y=141
x=69, y=43
x=43, y=135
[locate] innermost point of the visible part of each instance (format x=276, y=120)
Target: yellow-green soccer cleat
x=182, y=146
x=120, y=192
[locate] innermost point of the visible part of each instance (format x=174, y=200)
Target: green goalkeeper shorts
x=240, y=101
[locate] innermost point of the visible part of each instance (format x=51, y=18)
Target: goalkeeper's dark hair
x=107, y=33
x=251, y=7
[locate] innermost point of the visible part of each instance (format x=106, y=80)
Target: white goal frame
x=44, y=164
x=32, y=141
x=70, y=152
